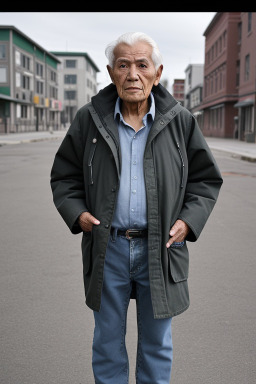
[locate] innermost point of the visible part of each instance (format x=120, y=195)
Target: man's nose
x=132, y=74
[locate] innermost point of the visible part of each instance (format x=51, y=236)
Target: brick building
x=246, y=122
x=178, y=90
x=220, y=91
x=229, y=76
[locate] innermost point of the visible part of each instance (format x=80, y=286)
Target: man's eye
x=122, y=66
x=143, y=66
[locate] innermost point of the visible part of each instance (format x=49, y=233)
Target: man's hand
x=86, y=221
x=178, y=232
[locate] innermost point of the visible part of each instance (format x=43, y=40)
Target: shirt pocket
x=178, y=261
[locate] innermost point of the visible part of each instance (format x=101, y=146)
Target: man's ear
x=158, y=75
x=110, y=71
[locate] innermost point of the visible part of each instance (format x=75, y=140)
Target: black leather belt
x=131, y=233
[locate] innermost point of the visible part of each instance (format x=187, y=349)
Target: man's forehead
x=139, y=49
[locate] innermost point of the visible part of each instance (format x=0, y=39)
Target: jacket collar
x=104, y=102
x=150, y=114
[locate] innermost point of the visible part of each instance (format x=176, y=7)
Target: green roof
x=26, y=43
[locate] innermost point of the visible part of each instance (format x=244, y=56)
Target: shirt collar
x=151, y=111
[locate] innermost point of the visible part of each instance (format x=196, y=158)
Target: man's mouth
x=133, y=89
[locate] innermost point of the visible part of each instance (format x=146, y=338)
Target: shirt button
x=134, y=191
x=107, y=226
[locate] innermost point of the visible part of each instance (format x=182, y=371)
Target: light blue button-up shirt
x=131, y=207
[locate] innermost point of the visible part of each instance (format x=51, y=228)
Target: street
x=46, y=329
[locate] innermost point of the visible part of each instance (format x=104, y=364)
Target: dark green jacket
x=182, y=181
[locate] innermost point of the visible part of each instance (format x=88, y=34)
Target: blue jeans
x=126, y=262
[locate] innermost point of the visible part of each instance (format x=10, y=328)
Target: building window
x=225, y=39
x=53, y=76
x=25, y=62
x=18, y=79
x=70, y=95
x=39, y=69
x=237, y=72
x=25, y=82
x=17, y=57
x=239, y=32
x=3, y=75
x=216, y=81
x=18, y=111
x=53, y=92
x=249, y=21
x=247, y=68
x=24, y=112
x=70, y=79
x=2, y=51
x=247, y=119
x=70, y=63
x=40, y=87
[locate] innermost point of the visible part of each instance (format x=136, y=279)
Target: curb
x=239, y=155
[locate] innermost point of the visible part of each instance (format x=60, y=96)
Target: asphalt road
x=46, y=329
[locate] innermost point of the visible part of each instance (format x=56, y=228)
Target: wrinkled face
x=134, y=73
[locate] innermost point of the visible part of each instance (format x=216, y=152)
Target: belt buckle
x=130, y=231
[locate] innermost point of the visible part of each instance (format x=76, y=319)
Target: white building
x=194, y=79
x=77, y=82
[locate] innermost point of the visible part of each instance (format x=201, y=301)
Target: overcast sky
x=179, y=35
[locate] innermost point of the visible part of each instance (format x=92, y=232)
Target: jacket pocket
x=178, y=261
x=87, y=251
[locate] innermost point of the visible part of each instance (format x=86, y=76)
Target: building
x=178, y=90
x=28, y=84
x=77, y=82
x=221, y=75
x=194, y=77
x=246, y=71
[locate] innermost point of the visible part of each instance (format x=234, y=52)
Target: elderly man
x=135, y=175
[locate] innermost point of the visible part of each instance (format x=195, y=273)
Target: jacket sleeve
x=67, y=181
x=203, y=184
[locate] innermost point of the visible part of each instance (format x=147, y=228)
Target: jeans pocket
x=177, y=244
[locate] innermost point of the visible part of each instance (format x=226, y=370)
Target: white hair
x=131, y=38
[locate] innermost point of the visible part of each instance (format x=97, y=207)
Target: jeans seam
x=123, y=349
x=139, y=353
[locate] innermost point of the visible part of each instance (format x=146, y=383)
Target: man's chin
x=133, y=98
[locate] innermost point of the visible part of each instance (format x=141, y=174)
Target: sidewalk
x=28, y=137
x=244, y=150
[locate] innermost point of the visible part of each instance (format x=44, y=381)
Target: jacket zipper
x=182, y=165
x=91, y=155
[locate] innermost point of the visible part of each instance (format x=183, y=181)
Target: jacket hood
x=105, y=100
